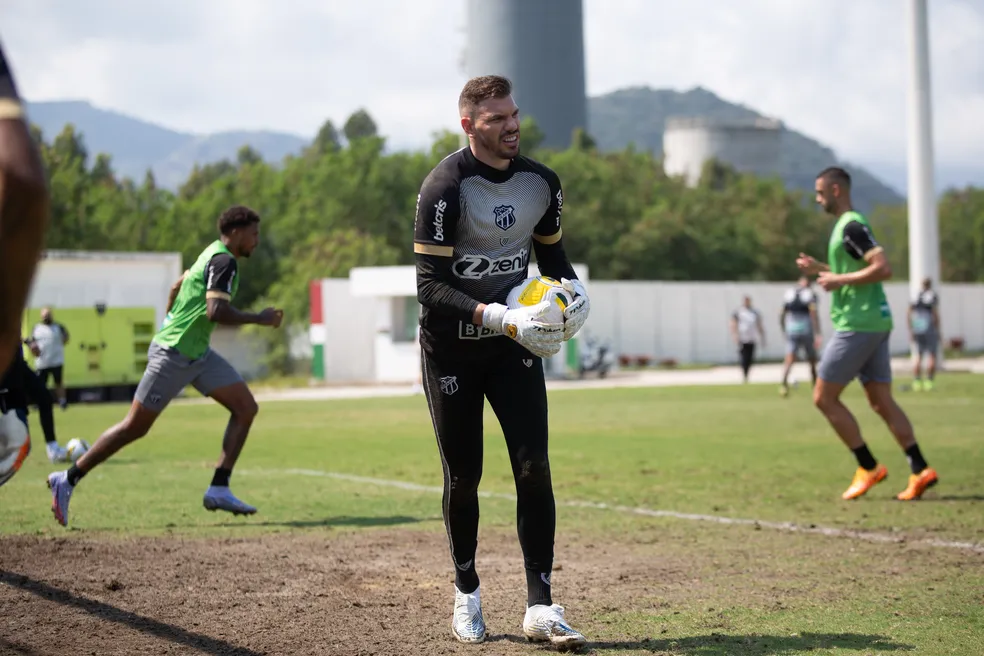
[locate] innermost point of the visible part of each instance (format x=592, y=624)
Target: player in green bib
x=180, y=355
x=859, y=348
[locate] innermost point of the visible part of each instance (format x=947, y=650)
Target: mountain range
x=634, y=115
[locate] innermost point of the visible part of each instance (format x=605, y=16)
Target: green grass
x=730, y=451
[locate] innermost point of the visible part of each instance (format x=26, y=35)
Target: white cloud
x=834, y=70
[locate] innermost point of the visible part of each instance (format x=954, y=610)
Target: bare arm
x=23, y=216
x=173, y=294
x=222, y=312
x=878, y=270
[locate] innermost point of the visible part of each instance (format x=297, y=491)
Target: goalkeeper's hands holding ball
x=577, y=310
x=527, y=326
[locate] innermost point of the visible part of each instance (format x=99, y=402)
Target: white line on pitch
x=647, y=512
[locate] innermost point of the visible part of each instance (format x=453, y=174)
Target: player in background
x=479, y=214
x=747, y=330
x=862, y=320
x=179, y=355
x=39, y=395
x=23, y=213
x=23, y=219
x=924, y=331
x=47, y=342
x=800, y=323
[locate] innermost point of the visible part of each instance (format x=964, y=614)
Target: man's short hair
x=479, y=89
x=237, y=216
x=836, y=175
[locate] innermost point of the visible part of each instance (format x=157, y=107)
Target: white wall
x=69, y=279
x=350, y=328
x=690, y=321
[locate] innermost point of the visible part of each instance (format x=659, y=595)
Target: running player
x=924, y=332
x=179, y=355
x=479, y=213
x=859, y=347
x=747, y=330
x=23, y=219
x=800, y=323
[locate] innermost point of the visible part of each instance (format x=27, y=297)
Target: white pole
x=924, y=246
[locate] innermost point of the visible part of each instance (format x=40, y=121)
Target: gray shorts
x=168, y=372
x=851, y=355
x=797, y=343
x=928, y=343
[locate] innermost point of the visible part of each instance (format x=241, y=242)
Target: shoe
x=61, y=492
x=467, y=623
x=546, y=623
x=928, y=386
x=918, y=483
x=22, y=453
x=783, y=391
x=221, y=498
x=864, y=480
x=917, y=385
x=56, y=453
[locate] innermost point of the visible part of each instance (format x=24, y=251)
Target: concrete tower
x=539, y=45
x=751, y=146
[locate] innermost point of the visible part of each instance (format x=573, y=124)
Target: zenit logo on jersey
x=474, y=267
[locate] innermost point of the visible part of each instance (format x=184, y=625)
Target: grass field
x=144, y=568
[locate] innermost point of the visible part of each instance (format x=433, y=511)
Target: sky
x=835, y=70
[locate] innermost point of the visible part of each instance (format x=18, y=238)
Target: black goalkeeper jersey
x=475, y=230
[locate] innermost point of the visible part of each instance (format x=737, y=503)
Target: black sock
x=467, y=580
x=74, y=475
x=221, y=477
x=865, y=459
x=915, y=457
x=538, y=588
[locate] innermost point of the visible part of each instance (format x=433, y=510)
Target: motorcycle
x=595, y=355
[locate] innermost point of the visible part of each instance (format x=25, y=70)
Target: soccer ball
x=15, y=444
x=538, y=289
x=76, y=448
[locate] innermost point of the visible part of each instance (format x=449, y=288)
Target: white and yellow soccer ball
x=15, y=444
x=537, y=289
x=76, y=448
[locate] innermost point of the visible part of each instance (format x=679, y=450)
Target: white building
x=366, y=332
x=364, y=327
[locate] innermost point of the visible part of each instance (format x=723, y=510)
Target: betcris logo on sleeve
x=439, y=209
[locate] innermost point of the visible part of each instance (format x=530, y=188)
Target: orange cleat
x=918, y=483
x=864, y=480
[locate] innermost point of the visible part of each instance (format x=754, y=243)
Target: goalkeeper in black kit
x=479, y=214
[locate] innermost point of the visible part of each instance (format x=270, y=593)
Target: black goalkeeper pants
x=513, y=382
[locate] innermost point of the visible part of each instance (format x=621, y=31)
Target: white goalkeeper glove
x=525, y=325
x=577, y=312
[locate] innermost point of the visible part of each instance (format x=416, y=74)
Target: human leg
x=517, y=393
x=842, y=361
x=220, y=381
x=454, y=393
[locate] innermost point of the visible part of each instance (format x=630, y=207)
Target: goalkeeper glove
x=577, y=312
x=525, y=325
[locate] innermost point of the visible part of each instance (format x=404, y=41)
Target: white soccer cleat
x=56, y=453
x=546, y=623
x=221, y=498
x=61, y=492
x=467, y=623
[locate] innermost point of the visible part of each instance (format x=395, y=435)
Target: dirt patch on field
x=365, y=592
x=390, y=591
